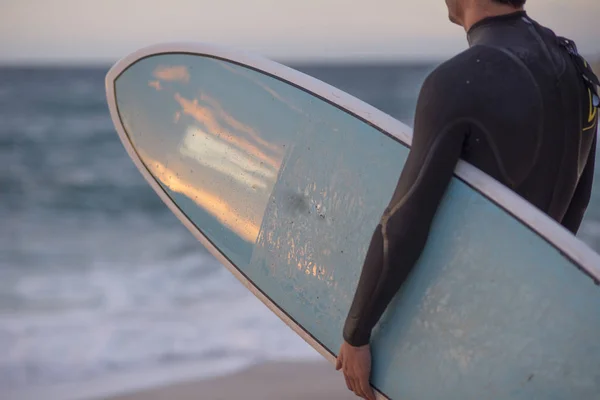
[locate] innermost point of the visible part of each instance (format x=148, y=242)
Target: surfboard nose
x=190, y=123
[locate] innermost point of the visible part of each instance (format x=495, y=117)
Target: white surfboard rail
x=559, y=237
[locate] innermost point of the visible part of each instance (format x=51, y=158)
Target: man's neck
x=477, y=13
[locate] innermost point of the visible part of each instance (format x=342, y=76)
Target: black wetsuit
x=516, y=106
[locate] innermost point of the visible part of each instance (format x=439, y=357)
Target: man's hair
x=514, y=3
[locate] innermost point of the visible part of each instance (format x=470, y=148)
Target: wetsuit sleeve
x=583, y=193
x=400, y=236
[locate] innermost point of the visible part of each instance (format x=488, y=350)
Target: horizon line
x=321, y=60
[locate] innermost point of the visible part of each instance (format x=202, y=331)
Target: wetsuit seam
x=428, y=156
x=496, y=152
x=540, y=129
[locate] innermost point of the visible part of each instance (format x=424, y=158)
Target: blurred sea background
x=97, y=276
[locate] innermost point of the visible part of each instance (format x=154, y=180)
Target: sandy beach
x=281, y=380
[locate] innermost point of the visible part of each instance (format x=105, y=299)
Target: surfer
x=521, y=105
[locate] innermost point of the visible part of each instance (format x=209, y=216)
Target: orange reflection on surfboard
x=207, y=118
x=175, y=73
x=217, y=206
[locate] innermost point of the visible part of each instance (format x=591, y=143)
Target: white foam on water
x=108, y=319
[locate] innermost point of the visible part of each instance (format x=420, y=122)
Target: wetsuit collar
x=493, y=20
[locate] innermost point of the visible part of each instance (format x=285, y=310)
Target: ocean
x=97, y=277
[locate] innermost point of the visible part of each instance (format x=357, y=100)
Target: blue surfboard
x=283, y=178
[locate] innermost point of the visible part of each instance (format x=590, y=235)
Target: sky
x=84, y=31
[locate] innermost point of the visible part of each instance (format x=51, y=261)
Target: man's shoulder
x=478, y=67
x=474, y=59
x=478, y=76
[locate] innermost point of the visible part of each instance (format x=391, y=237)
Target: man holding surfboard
x=521, y=105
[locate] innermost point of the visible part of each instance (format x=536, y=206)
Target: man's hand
x=355, y=363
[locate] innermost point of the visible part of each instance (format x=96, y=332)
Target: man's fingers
x=350, y=380
x=347, y=379
x=358, y=391
x=359, y=387
x=348, y=384
x=362, y=381
x=367, y=390
x=354, y=383
x=355, y=386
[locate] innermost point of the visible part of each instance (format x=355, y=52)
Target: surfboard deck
x=283, y=178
